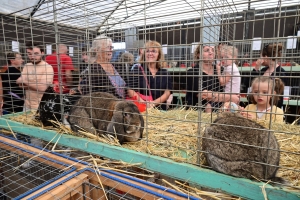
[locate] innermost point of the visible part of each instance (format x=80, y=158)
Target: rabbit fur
x=245, y=159
x=103, y=113
x=50, y=107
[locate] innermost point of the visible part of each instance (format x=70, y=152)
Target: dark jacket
x=96, y=80
x=11, y=103
x=158, y=84
x=209, y=82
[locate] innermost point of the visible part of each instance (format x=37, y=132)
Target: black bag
x=50, y=106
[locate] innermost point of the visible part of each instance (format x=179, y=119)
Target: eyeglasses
x=151, y=51
x=110, y=47
x=212, y=50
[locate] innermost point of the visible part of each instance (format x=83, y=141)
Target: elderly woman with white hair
x=101, y=76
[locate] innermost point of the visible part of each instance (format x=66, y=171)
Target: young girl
x=230, y=78
x=264, y=99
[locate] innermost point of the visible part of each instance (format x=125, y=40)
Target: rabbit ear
x=116, y=126
x=142, y=126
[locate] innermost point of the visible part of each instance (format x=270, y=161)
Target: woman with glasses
x=101, y=76
x=149, y=79
x=270, y=55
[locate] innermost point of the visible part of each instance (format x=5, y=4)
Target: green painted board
x=177, y=69
x=285, y=102
x=288, y=69
x=195, y=175
x=241, y=69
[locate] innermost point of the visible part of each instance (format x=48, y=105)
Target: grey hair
x=96, y=45
x=62, y=48
x=127, y=58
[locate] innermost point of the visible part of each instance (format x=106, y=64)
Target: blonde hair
x=275, y=83
x=96, y=46
x=196, y=52
x=231, y=50
x=160, y=58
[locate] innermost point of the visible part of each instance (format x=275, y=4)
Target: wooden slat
x=65, y=188
x=51, y=184
x=96, y=193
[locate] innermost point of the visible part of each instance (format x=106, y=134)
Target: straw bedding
x=173, y=134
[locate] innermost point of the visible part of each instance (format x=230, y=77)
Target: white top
x=234, y=84
x=261, y=113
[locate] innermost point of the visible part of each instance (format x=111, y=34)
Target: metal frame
x=72, y=169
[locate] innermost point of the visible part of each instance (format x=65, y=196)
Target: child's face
x=261, y=93
x=226, y=59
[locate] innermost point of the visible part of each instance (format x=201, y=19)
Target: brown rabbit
x=103, y=113
x=241, y=151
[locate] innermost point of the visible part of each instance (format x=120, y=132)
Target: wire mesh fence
x=160, y=77
x=23, y=171
x=108, y=179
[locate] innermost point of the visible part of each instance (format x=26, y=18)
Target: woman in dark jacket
x=149, y=78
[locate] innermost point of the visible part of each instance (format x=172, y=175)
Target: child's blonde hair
x=278, y=88
x=231, y=50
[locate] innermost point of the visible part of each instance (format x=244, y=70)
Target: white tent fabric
x=20, y=7
x=119, y=14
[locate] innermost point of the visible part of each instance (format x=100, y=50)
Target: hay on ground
x=173, y=134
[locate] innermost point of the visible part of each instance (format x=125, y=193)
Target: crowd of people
x=210, y=84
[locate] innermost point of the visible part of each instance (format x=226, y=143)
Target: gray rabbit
x=103, y=113
x=241, y=151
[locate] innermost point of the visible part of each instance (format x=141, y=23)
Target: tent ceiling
x=104, y=15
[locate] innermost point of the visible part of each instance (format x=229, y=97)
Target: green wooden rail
x=195, y=175
x=288, y=69
x=241, y=69
x=285, y=102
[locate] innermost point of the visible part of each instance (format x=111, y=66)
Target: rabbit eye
x=126, y=115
